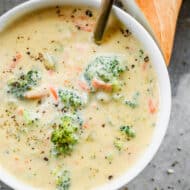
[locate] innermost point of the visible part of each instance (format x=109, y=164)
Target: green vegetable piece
x=58, y=47
x=105, y=68
x=71, y=98
x=24, y=83
x=27, y=118
x=65, y=136
x=109, y=157
x=129, y=131
x=131, y=104
x=118, y=144
x=63, y=180
x=134, y=102
x=49, y=61
x=141, y=52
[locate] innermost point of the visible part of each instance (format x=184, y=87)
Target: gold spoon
x=105, y=10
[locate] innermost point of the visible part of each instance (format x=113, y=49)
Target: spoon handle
x=105, y=9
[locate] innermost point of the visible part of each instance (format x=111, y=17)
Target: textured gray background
x=175, y=150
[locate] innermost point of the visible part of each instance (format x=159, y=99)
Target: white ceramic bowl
x=158, y=63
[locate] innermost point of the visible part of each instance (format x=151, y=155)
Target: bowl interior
x=158, y=63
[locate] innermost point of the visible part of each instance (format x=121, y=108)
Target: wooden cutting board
x=159, y=17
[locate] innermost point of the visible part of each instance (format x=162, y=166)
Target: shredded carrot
x=54, y=93
x=15, y=61
x=51, y=72
x=65, y=82
x=20, y=111
x=82, y=17
x=151, y=106
x=35, y=95
x=26, y=161
x=18, y=56
x=81, y=23
x=16, y=158
x=85, y=125
x=77, y=69
x=97, y=84
x=83, y=27
x=13, y=65
x=87, y=29
x=83, y=86
x=144, y=66
x=94, y=105
x=82, y=47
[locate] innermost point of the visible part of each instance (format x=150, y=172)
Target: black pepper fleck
x=46, y=159
x=103, y=125
x=110, y=177
x=146, y=59
x=78, y=27
x=174, y=163
x=89, y=13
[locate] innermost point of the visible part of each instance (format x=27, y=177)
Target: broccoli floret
x=65, y=136
x=134, y=102
x=105, y=68
x=129, y=131
x=29, y=119
x=23, y=83
x=131, y=104
x=71, y=98
x=63, y=180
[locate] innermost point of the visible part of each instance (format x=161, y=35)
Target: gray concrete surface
x=175, y=150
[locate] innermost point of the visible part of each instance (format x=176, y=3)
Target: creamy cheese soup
x=73, y=115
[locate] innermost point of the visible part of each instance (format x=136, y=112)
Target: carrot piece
x=144, y=66
x=26, y=161
x=82, y=17
x=51, y=72
x=54, y=93
x=34, y=95
x=151, y=106
x=94, y=105
x=79, y=69
x=13, y=65
x=86, y=29
x=16, y=158
x=97, y=84
x=66, y=82
x=20, y=111
x=84, y=86
x=17, y=57
x=85, y=125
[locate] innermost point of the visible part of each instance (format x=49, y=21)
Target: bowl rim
x=158, y=63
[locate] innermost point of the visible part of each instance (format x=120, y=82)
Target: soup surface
x=73, y=115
